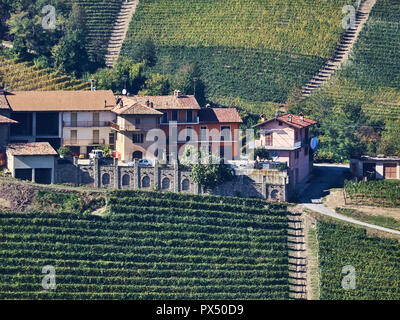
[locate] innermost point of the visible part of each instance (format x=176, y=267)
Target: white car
x=145, y=163
x=96, y=154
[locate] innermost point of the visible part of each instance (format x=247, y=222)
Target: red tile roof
x=3, y=101
x=61, y=100
x=296, y=121
x=220, y=115
x=134, y=108
x=4, y=119
x=31, y=149
x=169, y=102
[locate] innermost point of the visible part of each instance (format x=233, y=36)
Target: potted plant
x=64, y=151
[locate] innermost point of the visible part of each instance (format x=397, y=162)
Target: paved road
x=324, y=178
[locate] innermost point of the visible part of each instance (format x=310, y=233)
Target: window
x=111, y=139
x=165, y=184
x=268, y=139
x=126, y=180
x=164, y=118
x=105, y=179
x=189, y=116
x=138, y=138
x=203, y=133
x=96, y=137
x=74, y=119
x=146, y=182
x=174, y=115
x=189, y=133
x=225, y=133
x=137, y=121
x=74, y=136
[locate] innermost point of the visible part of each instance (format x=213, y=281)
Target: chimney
x=105, y=103
x=177, y=93
x=92, y=87
x=301, y=114
x=121, y=104
x=263, y=118
x=148, y=103
x=290, y=118
x=152, y=105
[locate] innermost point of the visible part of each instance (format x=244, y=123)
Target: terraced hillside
x=18, y=75
x=372, y=75
x=248, y=52
x=100, y=16
x=151, y=246
x=376, y=262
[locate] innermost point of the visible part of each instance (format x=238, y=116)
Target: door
x=369, y=171
x=74, y=119
x=96, y=119
x=390, y=170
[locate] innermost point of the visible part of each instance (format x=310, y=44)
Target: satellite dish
x=124, y=92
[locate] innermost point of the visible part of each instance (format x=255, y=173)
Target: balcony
x=83, y=142
x=173, y=122
x=86, y=124
x=117, y=127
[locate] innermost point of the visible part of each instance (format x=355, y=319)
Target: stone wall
x=266, y=184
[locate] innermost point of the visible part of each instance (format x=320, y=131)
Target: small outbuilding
x=33, y=161
x=379, y=167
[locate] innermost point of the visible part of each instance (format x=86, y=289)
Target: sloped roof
x=220, y=115
x=129, y=107
x=31, y=149
x=3, y=101
x=4, y=119
x=169, y=102
x=296, y=122
x=61, y=100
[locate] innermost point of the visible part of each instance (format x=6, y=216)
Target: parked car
x=145, y=163
x=96, y=154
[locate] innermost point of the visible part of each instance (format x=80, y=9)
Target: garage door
x=390, y=170
x=23, y=174
x=43, y=176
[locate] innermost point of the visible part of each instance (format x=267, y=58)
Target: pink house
x=287, y=139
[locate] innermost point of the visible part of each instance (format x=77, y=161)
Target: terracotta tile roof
x=133, y=107
x=220, y=115
x=3, y=101
x=61, y=100
x=31, y=149
x=296, y=121
x=4, y=119
x=169, y=102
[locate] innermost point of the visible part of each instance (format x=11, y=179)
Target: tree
x=210, y=174
x=146, y=52
x=390, y=143
x=155, y=85
x=262, y=153
x=187, y=80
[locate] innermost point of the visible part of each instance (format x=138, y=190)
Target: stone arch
x=185, y=185
x=165, y=184
x=126, y=180
x=275, y=194
x=105, y=179
x=146, y=182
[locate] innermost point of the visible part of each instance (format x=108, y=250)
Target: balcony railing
x=86, y=124
x=188, y=121
x=83, y=142
x=117, y=127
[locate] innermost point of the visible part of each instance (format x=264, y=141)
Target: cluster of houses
x=34, y=124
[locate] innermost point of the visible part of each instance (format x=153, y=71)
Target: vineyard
x=150, y=246
x=372, y=75
x=381, y=192
x=100, y=19
x=248, y=51
x=376, y=262
x=22, y=76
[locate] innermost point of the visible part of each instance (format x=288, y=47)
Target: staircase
x=342, y=52
x=120, y=29
x=297, y=257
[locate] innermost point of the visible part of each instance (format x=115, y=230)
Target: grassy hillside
x=248, y=51
x=18, y=75
x=151, y=246
x=372, y=76
x=376, y=262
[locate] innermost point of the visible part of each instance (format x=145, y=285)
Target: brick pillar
x=176, y=176
x=156, y=175
x=264, y=187
x=96, y=171
x=117, y=184
x=136, y=180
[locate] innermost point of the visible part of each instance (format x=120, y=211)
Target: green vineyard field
x=148, y=247
x=376, y=262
